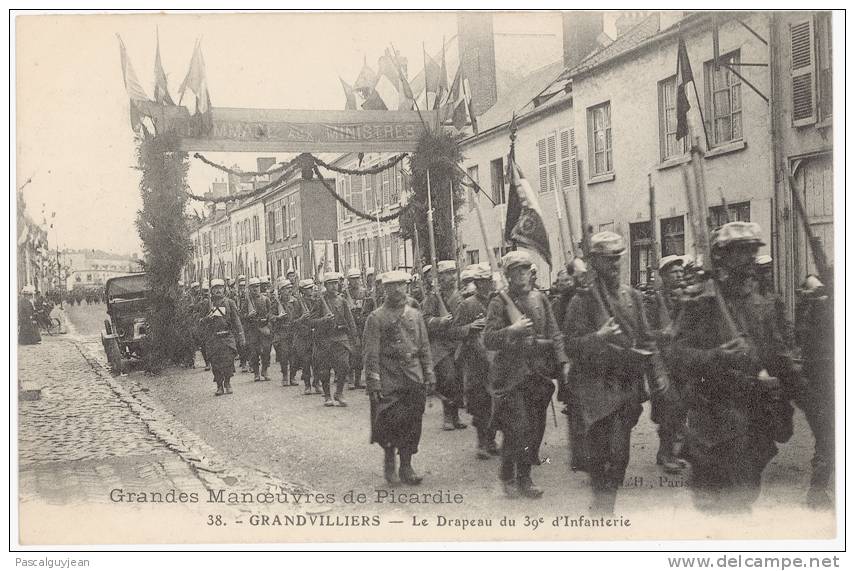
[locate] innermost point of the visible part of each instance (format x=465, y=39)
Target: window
x=669, y=146
x=823, y=57
x=547, y=162
x=356, y=192
x=739, y=212
x=368, y=186
x=640, y=244
x=556, y=160
x=673, y=236
x=600, y=139
x=472, y=256
x=342, y=191
x=387, y=187
x=397, y=185
x=286, y=231
x=256, y=231
x=497, y=180
x=292, y=212
x=472, y=192
x=567, y=156
x=810, y=51
x=724, y=101
x=271, y=226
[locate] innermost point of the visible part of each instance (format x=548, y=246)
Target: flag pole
x=564, y=253
x=434, y=274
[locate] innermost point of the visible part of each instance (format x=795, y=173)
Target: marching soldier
x=467, y=282
x=355, y=295
x=815, y=337
x=224, y=333
x=336, y=340
x=258, y=336
x=370, y=284
x=243, y=310
x=667, y=408
x=302, y=345
x=264, y=283
x=473, y=361
x=736, y=365
x=399, y=374
x=607, y=333
x=285, y=312
x=444, y=338
x=530, y=353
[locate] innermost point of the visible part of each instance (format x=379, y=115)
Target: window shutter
x=552, y=152
x=803, y=73
x=565, y=149
x=542, y=165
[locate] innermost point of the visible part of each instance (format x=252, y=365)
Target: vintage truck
x=127, y=299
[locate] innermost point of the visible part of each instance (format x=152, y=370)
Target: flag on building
x=161, y=90
x=197, y=82
x=524, y=224
x=458, y=108
x=432, y=81
x=374, y=102
x=366, y=80
x=684, y=77
x=443, y=79
x=139, y=101
x=350, y=97
x=387, y=91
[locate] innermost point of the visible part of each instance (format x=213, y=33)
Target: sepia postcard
x=402, y=277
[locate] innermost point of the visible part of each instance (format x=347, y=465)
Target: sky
x=72, y=126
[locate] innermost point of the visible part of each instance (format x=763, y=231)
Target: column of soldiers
x=721, y=401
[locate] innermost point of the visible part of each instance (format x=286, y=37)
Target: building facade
x=92, y=268
x=249, y=250
x=300, y=223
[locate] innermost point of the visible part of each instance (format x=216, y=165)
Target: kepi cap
x=446, y=266
x=354, y=273
x=737, y=233
x=332, y=276
x=669, y=261
x=395, y=277
x=283, y=282
x=217, y=282
x=305, y=283
x=516, y=258
x=607, y=244
x=254, y=281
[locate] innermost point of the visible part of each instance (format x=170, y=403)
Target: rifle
x=818, y=253
x=328, y=311
x=303, y=305
x=653, y=259
x=250, y=307
x=351, y=304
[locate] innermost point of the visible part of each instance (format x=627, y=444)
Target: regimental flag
x=684, y=76
x=470, y=109
x=197, y=82
x=443, y=79
x=366, y=80
x=524, y=224
x=374, y=102
x=139, y=101
x=161, y=90
x=432, y=81
x=459, y=109
x=387, y=91
x=350, y=103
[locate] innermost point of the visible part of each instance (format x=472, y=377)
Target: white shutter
x=565, y=151
x=552, y=152
x=803, y=73
x=542, y=165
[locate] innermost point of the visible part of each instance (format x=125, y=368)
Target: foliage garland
x=166, y=246
x=352, y=209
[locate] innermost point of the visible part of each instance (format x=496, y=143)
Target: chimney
x=628, y=20
x=581, y=33
x=478, y=57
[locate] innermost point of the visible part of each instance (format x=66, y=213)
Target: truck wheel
x=114, y=354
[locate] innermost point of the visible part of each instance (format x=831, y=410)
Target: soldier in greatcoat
x=243, y=310
x=399, y=374
x=258, y=335
x=284, y=311
x=303, y=343
x=529, y=355
x=355, y=295
x=444, y=339
x=608, y=336
x=738, y=368
x=336, y=340
x=668, y=408
x=473, y=360
x=224, y=333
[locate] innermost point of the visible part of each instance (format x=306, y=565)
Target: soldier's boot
x=506, y=476
x=256, y=372
x=490, y=442
x=447, y=419
x=406, y=473
x=389, y=465
x=227, y=385
x=220, y=390
x=481, y=452
x=455, y=418
x=526, y=486
x=264, y=376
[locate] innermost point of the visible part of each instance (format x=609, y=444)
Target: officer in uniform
x=529, y=354
x=224, y=334
x=302, y=345
x=355, y=295
x=399, y=374
x=608, y=335
x=444, y=339
x=737, y=367
x=285, y=311
x=258, y=335
x=668, y=408
x=336, y=339
x=473, y=361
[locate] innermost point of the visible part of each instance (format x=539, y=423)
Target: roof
x=634, y=37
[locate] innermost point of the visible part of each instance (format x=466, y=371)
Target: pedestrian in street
x=815, y=337
x=473, y=361
x=355, y=294
x=225, y=333
x=303, y=344
x=28, y=327
x=608, y=336
x=529, y=354
x=259, y=338
x=399, y=374
x=668, y=408
x=285, y=312
x=444, y=339
x=336, y=340
x=199, y=309
x=738, y=368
